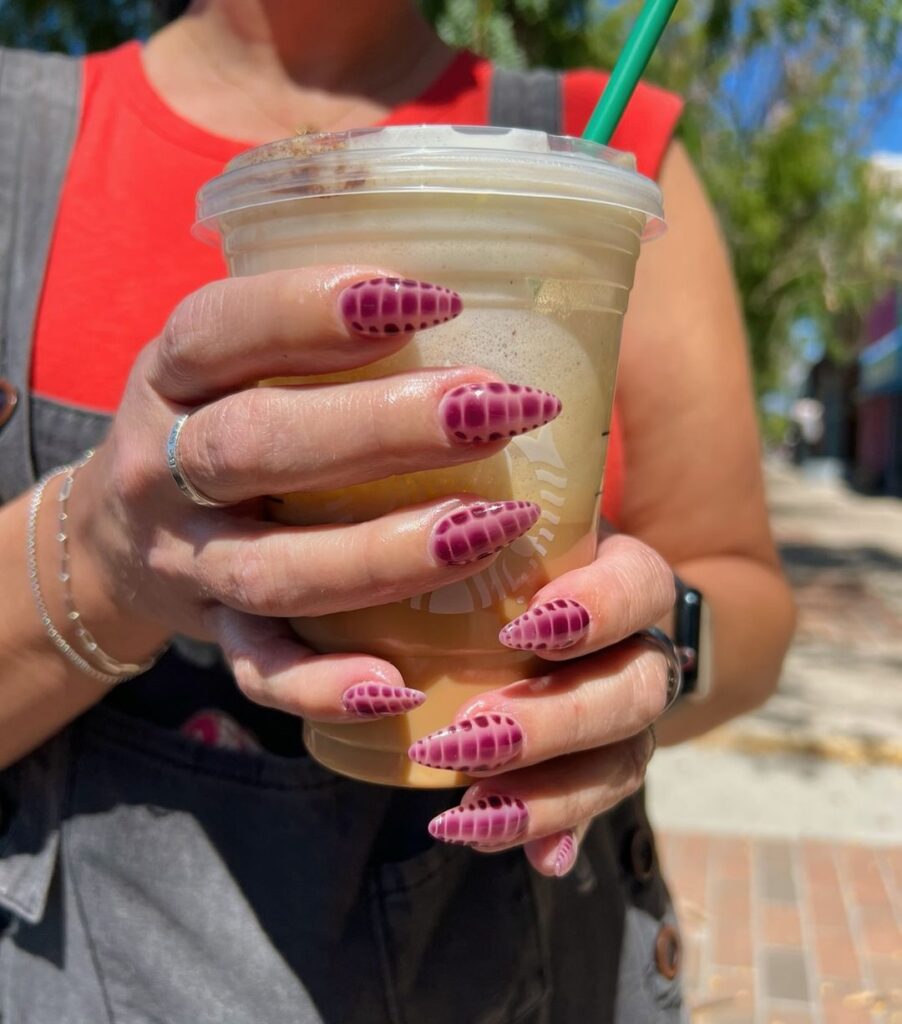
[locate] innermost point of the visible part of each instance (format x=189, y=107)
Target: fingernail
x=380, y=700
x=565, y=854
x=491, y=411
x=480, y=530
x=489, y=820
x=473, y=744
x=390, y=305
x=547, y=627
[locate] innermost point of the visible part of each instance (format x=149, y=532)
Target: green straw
x=628, y=70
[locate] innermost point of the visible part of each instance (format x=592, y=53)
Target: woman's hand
x=229, y=576
x=556, y=750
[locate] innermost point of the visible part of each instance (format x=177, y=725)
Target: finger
x=264, y=440
x=597, y=700
x=266, y=569
x=628, y=587
x=526, y=805
x=311, y=320
x=272, y=668
x=555, y=855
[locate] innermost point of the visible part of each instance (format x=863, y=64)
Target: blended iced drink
x=539, y=235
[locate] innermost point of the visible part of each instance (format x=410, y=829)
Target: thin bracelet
x=85, y=639
x=32, y=558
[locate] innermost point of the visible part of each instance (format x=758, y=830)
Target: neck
x=258, y=69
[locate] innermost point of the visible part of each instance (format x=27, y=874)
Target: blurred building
x=878, y=447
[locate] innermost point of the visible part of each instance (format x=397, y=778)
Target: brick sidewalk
x=785, y=932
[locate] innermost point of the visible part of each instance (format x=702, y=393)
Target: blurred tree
x=782, y=95
x=73, y=26
x=782, y=98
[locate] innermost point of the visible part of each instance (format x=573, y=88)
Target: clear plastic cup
x=540, y=235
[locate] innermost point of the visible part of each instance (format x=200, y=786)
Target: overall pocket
x=219, y=887
x=459, y=939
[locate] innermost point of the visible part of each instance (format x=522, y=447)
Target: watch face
x=692, y=635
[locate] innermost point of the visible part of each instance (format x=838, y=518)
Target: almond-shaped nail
x=481, y=743
x=488, y=821
x=393, y=305
x=493, y=410
x=551, y=626
x=479, y=530
x=565, y=854
x=380, y=700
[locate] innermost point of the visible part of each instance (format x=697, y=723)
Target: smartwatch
x=693, y=640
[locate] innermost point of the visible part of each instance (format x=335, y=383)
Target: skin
x=145, y=562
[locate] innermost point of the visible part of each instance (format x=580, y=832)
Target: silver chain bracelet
x=112, y=671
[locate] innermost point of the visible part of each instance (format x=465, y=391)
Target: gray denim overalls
x=147, y=878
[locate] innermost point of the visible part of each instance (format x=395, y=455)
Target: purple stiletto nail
x=490, y=820
x=480, y=530
x=380, y=700
x=489, y=412
x=476, y=744
x=547, y=627
x=565, y=854
x=390, y=305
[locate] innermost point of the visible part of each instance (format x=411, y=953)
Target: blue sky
x=888, y=134
x=749, y=84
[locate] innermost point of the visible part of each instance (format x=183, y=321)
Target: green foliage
x=780, y=98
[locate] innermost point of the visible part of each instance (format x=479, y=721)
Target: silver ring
x=178, y=474
x=662, y=642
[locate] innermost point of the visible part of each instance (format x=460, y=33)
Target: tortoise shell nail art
x=550, y=626
x=382, y=306
x=481, y=743
x=494, y=410
x=488, y=821
x=479, y=530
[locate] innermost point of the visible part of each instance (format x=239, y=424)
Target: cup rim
x=466, y=159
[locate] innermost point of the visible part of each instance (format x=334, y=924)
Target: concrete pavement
x=823, y=758
x=781, y=833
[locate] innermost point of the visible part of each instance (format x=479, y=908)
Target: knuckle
x=576, y=720
x=253, y=434
x=248, y=679
x=662, y=587
x=637, y=755
x=232, y=437
x=167, y=564
x=584, y=804
x=195, y=321
x=641, y=588
x=374, y=416
x=158, y=559
x=377, y=569
x=622, y=599
x=251, y=581
x=129, y=471
x=649, y=686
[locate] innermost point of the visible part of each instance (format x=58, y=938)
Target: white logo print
x=512, y=571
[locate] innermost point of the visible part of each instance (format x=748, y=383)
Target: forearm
x=753, y=619
x=41, y=690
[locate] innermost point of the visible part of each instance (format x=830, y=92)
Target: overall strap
x=39, y=105
x=527, y=99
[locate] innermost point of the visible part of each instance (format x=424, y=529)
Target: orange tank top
x=122, y=256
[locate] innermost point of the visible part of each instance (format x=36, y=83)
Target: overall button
x=9, y=398
x=641, y=855
x=668, y=952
